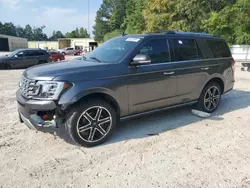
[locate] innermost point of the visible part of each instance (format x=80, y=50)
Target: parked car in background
x=24, y=58
x=56, y=56
x=126, y=77
x=70, y=51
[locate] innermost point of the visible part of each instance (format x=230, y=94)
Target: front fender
x=81, y=89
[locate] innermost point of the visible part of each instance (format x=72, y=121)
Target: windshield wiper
x=95, y=58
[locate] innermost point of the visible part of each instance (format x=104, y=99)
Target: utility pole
x=88, y=18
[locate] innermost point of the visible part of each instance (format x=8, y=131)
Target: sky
x=63, y=15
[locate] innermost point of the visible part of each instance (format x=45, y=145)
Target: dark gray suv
x=24, y=58
x=127, y=76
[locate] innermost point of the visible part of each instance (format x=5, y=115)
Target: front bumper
x=28, y=109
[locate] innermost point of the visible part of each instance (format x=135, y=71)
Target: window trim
x=223, y=41
x=147, y=41
x=198, y=50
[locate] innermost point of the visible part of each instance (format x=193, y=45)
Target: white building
x=10, y=43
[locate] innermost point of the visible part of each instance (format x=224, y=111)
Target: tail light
x=233, y=66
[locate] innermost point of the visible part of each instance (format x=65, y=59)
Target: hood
x=71, y=70
x=4, y=58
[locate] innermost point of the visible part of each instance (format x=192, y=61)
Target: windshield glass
x=113, y=50
x=14, y=53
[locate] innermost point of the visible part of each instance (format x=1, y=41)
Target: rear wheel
x=210, y=98
x=92, y=123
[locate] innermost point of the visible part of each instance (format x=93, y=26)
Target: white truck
x=70, y=51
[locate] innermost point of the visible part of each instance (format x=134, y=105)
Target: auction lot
x=168, y=149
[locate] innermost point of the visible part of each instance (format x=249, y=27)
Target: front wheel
x=210, y=98
x=92, y=123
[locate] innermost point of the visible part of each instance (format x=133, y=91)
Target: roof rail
x=182, y=33
x=193, y=33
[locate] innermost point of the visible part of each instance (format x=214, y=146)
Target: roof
x=173, y=34
x=27, y=49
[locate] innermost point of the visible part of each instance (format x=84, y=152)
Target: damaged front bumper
x=32, y=113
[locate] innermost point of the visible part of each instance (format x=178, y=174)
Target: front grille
x=28, y=87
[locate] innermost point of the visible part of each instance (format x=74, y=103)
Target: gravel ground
x=186, y=151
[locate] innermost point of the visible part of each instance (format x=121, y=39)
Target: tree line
x=37, y=34
x=229, y=19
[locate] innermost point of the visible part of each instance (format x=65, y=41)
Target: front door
x=18, y=61
x=152, y=86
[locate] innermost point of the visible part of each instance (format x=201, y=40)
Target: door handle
x=168, y=73
x=206, y=68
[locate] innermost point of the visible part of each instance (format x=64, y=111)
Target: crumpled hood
x=72, y=70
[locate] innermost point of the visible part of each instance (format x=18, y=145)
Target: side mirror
x=141, y=59
x=15, y=56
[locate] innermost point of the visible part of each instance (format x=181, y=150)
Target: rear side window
x=186, y=49
x=157, y=50
x=30, y=53
x=219, y=48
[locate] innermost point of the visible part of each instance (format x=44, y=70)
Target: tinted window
x=219, y=48
x=30, y=53
x=70, y=48
x=157, y=50
x=186, y=49
x=39, y=53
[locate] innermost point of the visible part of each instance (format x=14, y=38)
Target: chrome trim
x=168, y=73
x=27, y=122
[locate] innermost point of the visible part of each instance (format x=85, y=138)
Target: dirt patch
x=169, y=149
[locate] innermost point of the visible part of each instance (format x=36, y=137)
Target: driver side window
x=157, y=50
x=20, y=54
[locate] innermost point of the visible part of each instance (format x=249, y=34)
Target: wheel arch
x=217, y=80
x=98, y=95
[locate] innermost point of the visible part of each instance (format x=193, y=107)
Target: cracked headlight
x=51, y=90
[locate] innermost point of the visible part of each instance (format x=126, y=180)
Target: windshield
x=113, y=50
x=14, y=53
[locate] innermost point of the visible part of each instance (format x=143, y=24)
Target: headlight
x=50, y=90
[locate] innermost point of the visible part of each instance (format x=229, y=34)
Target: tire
x=206, y=98
x=88, y=129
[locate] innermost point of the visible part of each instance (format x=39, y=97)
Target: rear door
x=152, y=86
x=32, y=57
x=192, y=71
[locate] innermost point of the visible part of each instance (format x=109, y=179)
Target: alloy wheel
x=212, y=98
x=94, y=124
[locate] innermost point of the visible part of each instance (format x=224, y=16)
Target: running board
x=157, y=110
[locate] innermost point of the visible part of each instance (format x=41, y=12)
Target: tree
x=56, y=35
x=28, y=32
x=134, y=21
x=111, y=35
x=20, y=31
x=159, y=15
x=8, y=29
x=83, y=33
x=110, y=17
x=76, y=33
x=103, y=15
x=231, y=23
